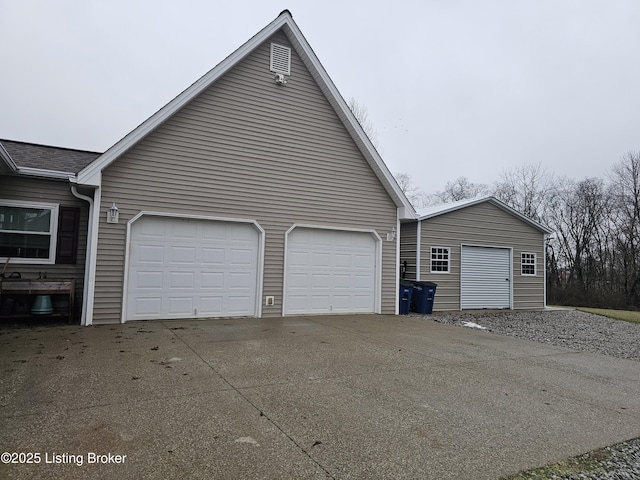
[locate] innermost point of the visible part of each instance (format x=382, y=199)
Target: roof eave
x=7, y=165
x=90, y=175
x=43, y=173
x=311, y=61
x=493, y=201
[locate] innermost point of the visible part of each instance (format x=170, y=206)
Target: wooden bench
x=15, y=292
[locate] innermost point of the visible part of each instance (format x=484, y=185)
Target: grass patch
x=626, y=315
x=587, y=463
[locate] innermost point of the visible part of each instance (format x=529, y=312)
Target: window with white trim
x=440, y=257
x=28, y=232
x=528, y=264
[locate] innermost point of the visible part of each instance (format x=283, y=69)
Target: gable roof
x=436, y=210
x=91, y=174
x=42, y=160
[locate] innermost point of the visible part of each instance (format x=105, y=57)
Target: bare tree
x=416, y=196
x=362, y=115
x=625, y=196
x=527, y=189
x=578, y=214
x=460, y=189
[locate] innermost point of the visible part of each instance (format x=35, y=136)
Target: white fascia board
x=8, y=161
x=361, y=139
x=451, y=207
x=90, y=174
x=43, y=173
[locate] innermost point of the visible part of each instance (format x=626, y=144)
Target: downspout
x=545, y=239
x=418, y=247
x=397, y=239
x=90, y=260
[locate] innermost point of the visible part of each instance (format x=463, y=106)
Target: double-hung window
x=528, y=264
x=440, y=258
x=28, y=232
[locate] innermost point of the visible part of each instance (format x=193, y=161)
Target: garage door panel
x=326, y=268
x=239, y=280
x=242, y=257
x=185, y=230
x=213, y=233
x=149, y=305
x=319, y=280
x=210, y=304
x=180, y=305
x=148, y=281
x=212, y=256
x=183, y=255
x=212, y=280
x=318, y=303
x=182, y=280
x=360, y=281
x=320, y=259
x=150, y=254
x=188, y=259
x=342, y=281
x=235, y=305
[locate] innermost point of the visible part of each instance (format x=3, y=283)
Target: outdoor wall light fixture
x=113, y=214
x=391, y=235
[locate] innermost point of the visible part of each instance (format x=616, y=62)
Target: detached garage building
x=481, y=253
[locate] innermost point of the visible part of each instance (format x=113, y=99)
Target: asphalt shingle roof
x=48, y=158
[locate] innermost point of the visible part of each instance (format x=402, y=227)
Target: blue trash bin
x=406, y=292
x=424, y=294
x=417, y=299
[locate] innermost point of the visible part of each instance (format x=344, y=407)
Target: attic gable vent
x=280, y=59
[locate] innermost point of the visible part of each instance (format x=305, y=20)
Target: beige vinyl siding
x=487, y=225
x=408, y=248
x=26, y=189
x=247, y=148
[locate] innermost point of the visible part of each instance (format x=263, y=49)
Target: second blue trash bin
x=423, y=297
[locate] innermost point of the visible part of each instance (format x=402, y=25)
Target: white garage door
x=330, y=271
x=186, y=268
x=485, y=280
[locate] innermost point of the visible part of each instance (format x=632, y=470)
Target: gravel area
x=565, y=328
x=578, y=331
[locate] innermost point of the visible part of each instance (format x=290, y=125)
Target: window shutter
x=68, y=230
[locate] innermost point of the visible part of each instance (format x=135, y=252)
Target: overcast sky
x=466, y=87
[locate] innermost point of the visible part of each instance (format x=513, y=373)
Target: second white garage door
x=185, y=268
x=330, y=271
x=485, y=277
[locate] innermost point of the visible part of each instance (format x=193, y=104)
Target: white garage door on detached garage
x=331, y=271
x=191, y=267
x=485, y=277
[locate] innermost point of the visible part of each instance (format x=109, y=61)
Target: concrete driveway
x=309, y=397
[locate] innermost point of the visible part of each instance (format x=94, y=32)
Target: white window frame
x=53, y=231
x=528, y=256
x=448, y=259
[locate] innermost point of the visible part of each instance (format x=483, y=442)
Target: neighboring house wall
x=408, y=248
x=26, y=189
x=482, y=224
x=247, y=148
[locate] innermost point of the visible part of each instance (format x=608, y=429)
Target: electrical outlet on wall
x=269, y=301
